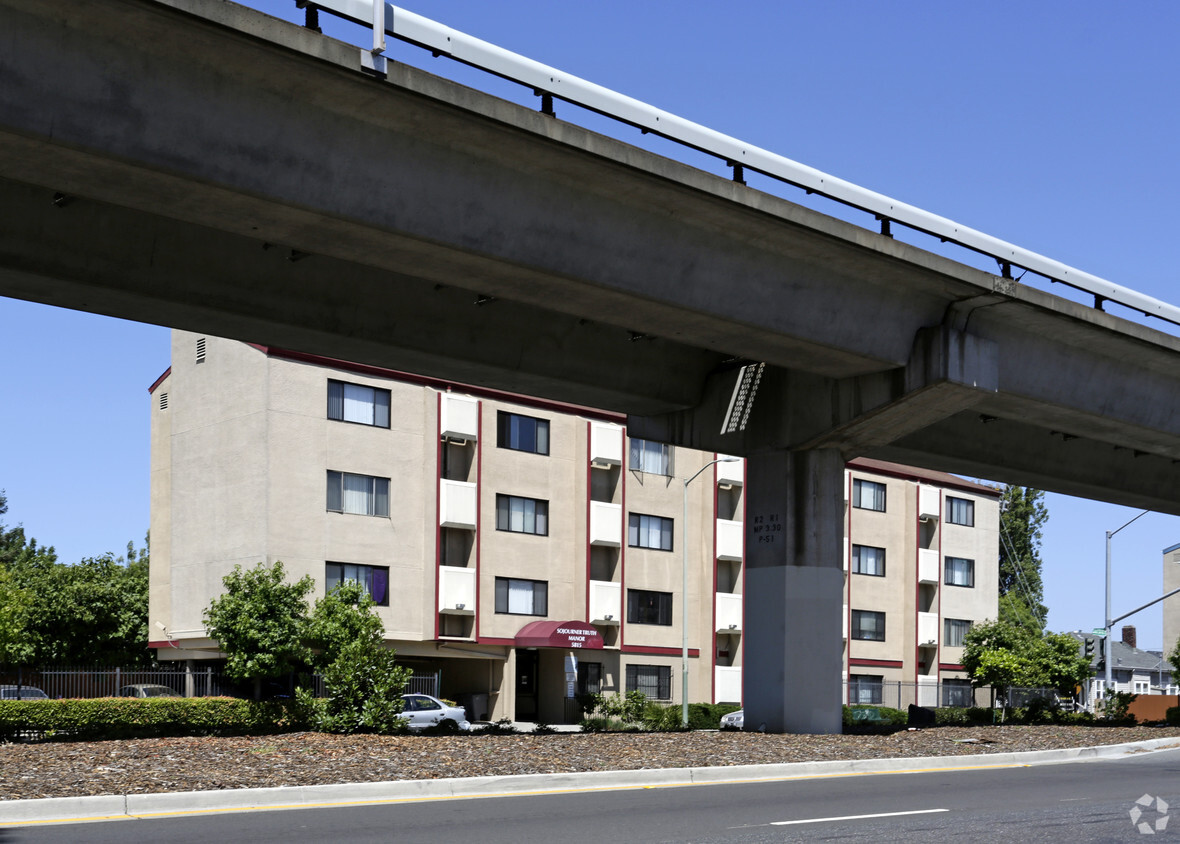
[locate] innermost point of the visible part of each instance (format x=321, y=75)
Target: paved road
x=1077, y=802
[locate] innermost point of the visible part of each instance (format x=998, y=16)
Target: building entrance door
x=527, y=664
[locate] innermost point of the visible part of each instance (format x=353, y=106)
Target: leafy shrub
x=884, y=719
x=115, y=718
x=707, y=716
x=1172, y=716
x=1116, y=708
x=364, y=685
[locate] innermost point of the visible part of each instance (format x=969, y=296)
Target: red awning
x=559, y=634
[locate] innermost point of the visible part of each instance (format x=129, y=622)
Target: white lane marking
x=858, y=817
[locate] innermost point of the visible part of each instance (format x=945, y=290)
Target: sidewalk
x=122, y=807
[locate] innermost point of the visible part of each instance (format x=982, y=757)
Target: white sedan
x=734, y=720
x=424, y=711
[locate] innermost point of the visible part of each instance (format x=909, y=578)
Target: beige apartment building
x=522, y=549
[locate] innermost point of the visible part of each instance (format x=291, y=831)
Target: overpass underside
x=204, y=166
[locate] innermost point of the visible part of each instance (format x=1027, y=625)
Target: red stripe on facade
x=658, y=651
x=478, y=510
x=880, y=663
x=438, y=459
x=951, y=666
x=159, y=380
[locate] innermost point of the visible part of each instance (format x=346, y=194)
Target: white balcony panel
x=927, y=691
x=606, y=602
x=606, y=443
x=729, y=613
x=927, y=629
x=459, y=417
x=456, y=504
x=928, y=565
x=844, y=624
x=928, y=501
x=727, y=684
x=606, y=524
x=847, y=553
x=729, y=540
x=733, y=473
x=456, y=590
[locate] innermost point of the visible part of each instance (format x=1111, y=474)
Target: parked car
x=734, y=720
x=423, y=711
x=25, y=693
x=147, y=690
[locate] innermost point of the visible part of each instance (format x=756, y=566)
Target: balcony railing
x=606, y=444
x=928, y=565
x=606, y=524
x=727, y=684
x=927, y=630
x=606, y=602
x=729, y=613
x=928, y=501
x=729, y=539
x=456, y=590
x=456, y=504
x=458, y=417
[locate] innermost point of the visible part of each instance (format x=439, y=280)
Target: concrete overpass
x=197, y=164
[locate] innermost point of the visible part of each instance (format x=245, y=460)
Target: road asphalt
x=123, y=806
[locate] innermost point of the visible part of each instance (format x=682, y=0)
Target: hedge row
x=105, y=718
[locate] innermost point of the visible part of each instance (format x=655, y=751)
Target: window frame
x=587, y=684
x=540, y=595
x=505, y=436
x=646, y=604
x=858, y=684
x=641, y=453
x=858, y=495
x=660, y=674
x=338, y=403
x=947, y=572
x=378, y=494
x=960, y=511
x=857, y=562
x=962, y=624
x=858, y=630
x=539, y=515
x=367, y=583
x=636, y=532
x=957, y=691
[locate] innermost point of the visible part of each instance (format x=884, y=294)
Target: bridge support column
x=794, y=587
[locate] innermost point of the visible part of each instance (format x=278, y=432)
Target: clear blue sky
x=1051, y=124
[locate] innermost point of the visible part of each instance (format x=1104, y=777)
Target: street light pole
x=1106, y=650
x=684, y=590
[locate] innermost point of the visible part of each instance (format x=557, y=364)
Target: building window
x=1142, y=687
x=522, y=515
x=957, y=693
x=868, y=495
x=954, y=629
x=960, y=572
x=645, y=607
x=649, y=532
x=522, y=597
x=655, y=681
x=357, y=403
x=865, y=688
x=360, y=494
x=960, y=511
x=589, y=678
x=374, y=579
x=651, y=457
x=868, y=625
x=522, y=433
x=868, y=560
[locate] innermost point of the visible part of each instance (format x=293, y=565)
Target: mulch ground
x=65, y=769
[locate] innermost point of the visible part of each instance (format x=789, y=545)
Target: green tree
x=343, y=616
x=1022, y=516
x=260, y=622
x=364, y=692
x=15, y=603
x=1174, y=658
x=1005, y=655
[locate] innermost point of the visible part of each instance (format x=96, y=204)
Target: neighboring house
x=1133, y=670
x=523, y=549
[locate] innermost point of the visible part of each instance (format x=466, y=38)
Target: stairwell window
x=651, y=457
x=959, y=571
x=960, y=511
x=653, y=532
x=358, y=403
x=522, y=433
x=362, y=495
x=867, y=559
x=868, y=495
x=374, y=579
x=522, y=515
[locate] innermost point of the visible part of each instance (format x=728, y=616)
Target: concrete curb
x=118, y=807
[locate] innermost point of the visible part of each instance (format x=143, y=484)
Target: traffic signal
x=1090, y=643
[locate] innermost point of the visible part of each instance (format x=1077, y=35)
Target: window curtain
x=520, y=597
x=358, y=490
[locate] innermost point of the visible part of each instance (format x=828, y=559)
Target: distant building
x=1171, y=606
x=1132, y=670
x=522, y=549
